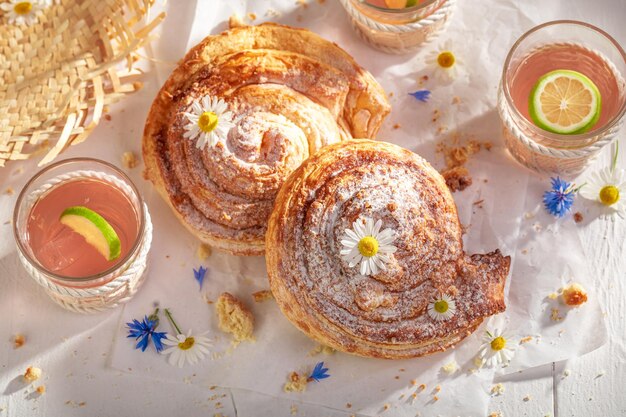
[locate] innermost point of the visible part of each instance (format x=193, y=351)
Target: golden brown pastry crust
x=292, y=92
x=384, y=315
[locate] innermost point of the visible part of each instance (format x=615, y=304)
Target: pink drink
x=569, y=57
x=61, y=250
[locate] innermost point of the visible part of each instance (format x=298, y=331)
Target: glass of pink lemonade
x=562, y=96
x=398, y=26
x=83, y=232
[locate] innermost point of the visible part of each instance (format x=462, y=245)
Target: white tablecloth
x=74, y=351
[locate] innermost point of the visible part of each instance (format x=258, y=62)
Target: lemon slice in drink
x=565, y=102
x=95, y=229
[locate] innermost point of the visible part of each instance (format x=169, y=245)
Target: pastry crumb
x=18, y=341
x=302, y=3
x=497, y=390
x=252, y=16
x=437, y=389
x=396, y=126
x=555, y=315
x=574, y=295
x=525, y=340
x=32, y=374
x=385, y=407
x=527, y=398
x=566, y=373
x=108, y=117
x=296, y=382
x=435, y=398
x=457, y=178
x=348, y=405
x=578, y=217
x=9, y=191
x=323, y=349
x=272, y=13
x=262, y=295
x=41, y=389
x=450, y=368
x=456, y=100
x=234, y=317
x=203, y=252
x=294, y=409
x=129, y=160
x=496, y=414
x=235, y=21
x=413, y=382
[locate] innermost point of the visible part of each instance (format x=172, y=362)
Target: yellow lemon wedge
x=95, y=229
x=565, y=102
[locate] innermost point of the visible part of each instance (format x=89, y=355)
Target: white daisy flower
x=497, y=348
x=20, y=12
x=442, y=308
x=608, y=187
x=209, y=121
x=367, y=245
x=444, y=62
x=186, y=348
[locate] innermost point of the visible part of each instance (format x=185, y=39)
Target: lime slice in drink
x=565, y=102
x=95, y=229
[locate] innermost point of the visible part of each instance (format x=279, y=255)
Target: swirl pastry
x=364, y=254
x=283, y=93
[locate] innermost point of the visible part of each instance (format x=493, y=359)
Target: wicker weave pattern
x=57, y=76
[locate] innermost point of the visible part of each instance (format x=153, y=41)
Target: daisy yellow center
x=187, y=344
x=368, y=246
x=609, y=195
x=498, y=343
x=23, y=7
x=441, y=306
x=207, y=121
x=446, y=59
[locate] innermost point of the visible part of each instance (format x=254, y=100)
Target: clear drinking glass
x=398, y=31
x=96, y=292
x=585, y=49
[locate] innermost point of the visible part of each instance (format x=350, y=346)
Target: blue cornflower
x=319, y=372
x=421, y=95
x=199, y=275
x=144, y=331
x=558, y=201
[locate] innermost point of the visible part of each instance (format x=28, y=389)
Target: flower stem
x=169, y=316
x=614, y=163
x=155, y=317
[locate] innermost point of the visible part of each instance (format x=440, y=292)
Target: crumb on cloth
x=296, y=382
x=234, y=317
x=32, y=374
x=457, y=178
x=262, y=295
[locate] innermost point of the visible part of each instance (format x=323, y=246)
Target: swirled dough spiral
x=385, y=314
x=290, y=91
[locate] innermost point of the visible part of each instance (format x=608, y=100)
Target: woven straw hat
x=60, y=68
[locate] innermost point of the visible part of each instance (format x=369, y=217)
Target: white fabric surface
x=483, y=42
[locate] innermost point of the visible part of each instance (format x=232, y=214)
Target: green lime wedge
x=95, y=229
x=565, y=102
x=411, y=3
